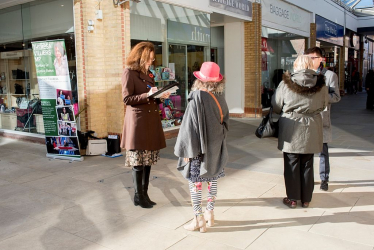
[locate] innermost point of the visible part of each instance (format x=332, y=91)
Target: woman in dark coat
x=142, y=136
x=300, y=98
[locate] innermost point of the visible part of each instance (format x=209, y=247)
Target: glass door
x=178, y=57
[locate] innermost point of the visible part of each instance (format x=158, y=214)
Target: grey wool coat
x=332, y=83
x=300, y=98
x=202, y=133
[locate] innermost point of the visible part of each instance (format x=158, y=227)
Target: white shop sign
x=188, y=34
x=281, y=13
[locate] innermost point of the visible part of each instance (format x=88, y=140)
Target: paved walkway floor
x=54, y=204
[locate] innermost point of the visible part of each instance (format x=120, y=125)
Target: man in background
x=332, y=83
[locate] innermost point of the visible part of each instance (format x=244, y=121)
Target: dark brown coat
x=142, y=128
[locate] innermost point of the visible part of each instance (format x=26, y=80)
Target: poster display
x=60, y=125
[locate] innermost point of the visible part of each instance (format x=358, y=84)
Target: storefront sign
x=241, y=7
x=281, y=13
x=56, y=99
x=188, y=34
x=329, y=31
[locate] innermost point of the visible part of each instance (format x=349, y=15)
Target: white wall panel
x=146, y=28
x=324, y=8
x=234, y=66
x=365, y=22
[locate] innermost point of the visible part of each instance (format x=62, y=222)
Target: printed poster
x=52, y=71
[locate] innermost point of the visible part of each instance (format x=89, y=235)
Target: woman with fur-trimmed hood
x=300, y=98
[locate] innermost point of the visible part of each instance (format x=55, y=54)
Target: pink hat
x=209, y=72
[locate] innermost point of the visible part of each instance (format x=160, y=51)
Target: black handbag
x=268, y=128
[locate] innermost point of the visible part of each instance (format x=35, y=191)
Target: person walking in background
x=355, y=80
x=143, y=136
x=300, y=98
x=332, y=83
x=201, y=143
x=369, y=85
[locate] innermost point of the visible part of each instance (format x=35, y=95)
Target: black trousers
x=299, y=176
x=370, y=100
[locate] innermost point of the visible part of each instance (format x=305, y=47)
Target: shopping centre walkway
x=54, y=204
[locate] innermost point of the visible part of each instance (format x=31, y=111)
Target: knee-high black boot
x=139, y=199
x=147, y=173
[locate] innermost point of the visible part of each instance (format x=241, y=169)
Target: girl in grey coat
x=201, y=143
x=300, y=98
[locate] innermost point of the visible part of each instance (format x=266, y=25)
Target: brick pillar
x=252, y=64
x=313, y=35
x=100, y=62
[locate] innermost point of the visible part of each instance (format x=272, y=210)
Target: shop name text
x=331, y=29
x=234, y=4
x=285, y=13
x=199, y=36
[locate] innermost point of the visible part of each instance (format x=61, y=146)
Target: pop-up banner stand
x=60, y=126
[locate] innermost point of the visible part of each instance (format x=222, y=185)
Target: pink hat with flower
x=209, y=72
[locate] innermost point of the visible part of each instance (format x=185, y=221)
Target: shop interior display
x=17, y=91
x=171, y=110
x=330, y=59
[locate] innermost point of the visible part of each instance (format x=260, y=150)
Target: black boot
x=139, y=198
x=147, y=173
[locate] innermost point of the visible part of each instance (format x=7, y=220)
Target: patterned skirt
x=141, y=157
x=195, y=171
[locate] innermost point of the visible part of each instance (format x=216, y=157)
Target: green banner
x=57, y=102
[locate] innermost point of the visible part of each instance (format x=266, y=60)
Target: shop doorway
x=186, y=59
x=178, y=58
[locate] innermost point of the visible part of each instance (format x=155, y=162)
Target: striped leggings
x=196, y=199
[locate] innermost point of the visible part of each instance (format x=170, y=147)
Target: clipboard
x=172, y=87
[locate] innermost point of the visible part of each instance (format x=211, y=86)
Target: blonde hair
x=215, y=87
x=303, y=62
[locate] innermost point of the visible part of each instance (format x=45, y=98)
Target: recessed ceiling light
x=62, y=5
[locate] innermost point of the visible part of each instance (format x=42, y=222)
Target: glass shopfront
x=41, y=20
x=279, y=51
x=352, y=62
x=182, y=40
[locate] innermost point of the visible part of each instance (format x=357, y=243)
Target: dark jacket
x=142, y=128
x=300, y=98
x=369, y=81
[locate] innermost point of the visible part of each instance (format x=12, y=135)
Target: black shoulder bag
x=267, y=128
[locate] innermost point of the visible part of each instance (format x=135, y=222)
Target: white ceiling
x=9, y=3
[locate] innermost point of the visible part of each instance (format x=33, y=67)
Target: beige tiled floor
x=54, y=204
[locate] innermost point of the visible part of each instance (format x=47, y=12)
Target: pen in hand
x=152, y=90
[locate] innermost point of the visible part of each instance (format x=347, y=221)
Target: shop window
x=279, y=51
x=182, y=41
x=20, y=107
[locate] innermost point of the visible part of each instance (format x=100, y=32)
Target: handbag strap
x=219, y=106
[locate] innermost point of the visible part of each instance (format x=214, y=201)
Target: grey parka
x=300, y=98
